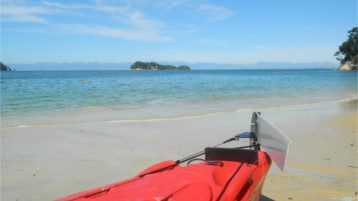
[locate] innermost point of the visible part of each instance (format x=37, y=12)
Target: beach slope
x=50, y=162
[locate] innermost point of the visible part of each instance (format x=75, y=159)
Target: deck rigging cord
x=214, y=163
x=200, y=153
x=192, y=157
x=228, y=182
x=237, y=170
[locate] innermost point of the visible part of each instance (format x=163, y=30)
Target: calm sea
x=45, y=98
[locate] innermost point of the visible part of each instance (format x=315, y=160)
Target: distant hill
x=260, y=65
x=155, y=66
x=193, y=66
x=71, y=66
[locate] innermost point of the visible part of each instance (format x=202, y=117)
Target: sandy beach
x=46, y=163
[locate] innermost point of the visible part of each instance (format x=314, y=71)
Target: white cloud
x=11, y=12
x=171, y=4
x=210, y=12
x=135, y=35
x=107, y=9
x=137, y=19
x=20, y=13
x=124, y=14
x=214, y=13
x=8, y=9
x=23, y=18
x=140, y=28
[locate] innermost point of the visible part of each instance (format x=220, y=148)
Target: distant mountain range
x=193, y=66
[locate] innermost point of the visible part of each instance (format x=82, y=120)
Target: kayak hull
x=231, y=174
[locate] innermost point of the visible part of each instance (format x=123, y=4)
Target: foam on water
x=93, y=117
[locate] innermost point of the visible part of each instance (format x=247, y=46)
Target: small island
x=155, y=66
x=5, y=67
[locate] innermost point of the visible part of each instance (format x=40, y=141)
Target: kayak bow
x=224, y=174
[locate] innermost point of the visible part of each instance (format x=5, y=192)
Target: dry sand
x=322, y=162
x=45, y=163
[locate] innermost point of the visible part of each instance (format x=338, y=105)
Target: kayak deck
x=227, y=174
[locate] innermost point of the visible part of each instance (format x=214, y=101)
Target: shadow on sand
x=264, y=198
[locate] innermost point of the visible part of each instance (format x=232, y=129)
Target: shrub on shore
x=348, y=51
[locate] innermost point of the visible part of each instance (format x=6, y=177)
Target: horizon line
x=109, y=62
x=46, y=70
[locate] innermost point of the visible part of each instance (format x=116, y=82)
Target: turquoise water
x=128, y=95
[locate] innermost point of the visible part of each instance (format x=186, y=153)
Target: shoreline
x=47, y=163
x=82, y=114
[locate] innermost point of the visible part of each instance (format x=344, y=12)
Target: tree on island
x=155, y=66
x=347, y=53
x=183, y=67
x=5, y=67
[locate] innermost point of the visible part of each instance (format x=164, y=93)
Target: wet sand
x=46, y=163
x=322, y=162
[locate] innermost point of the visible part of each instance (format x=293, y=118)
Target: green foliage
x=183, y=67
x=143, y=65
x=348, y=50
x=4, y=67
x=155, y=66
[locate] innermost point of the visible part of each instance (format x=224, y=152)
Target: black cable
x=192, y=156
x=179, y=161
x=215, y=163
x=195, y=155
x=237, y=170
x=228, y=182
x=160, y=169
x=167, y=198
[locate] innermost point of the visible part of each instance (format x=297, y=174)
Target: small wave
x=183, y=117
x=94, y=109
x=163, y=101
x=168, y=101
x=125, y=120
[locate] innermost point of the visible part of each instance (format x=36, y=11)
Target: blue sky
x=232, y=31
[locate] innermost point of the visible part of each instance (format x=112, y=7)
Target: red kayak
x=224, y=174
